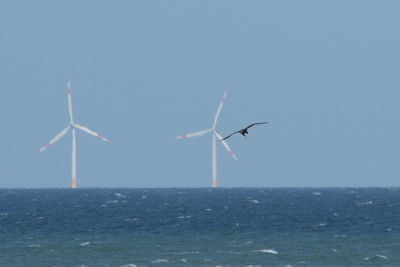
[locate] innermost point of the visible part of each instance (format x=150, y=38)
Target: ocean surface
x=200, y=227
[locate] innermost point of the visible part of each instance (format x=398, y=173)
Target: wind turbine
x=72, y=125
x=214, y=146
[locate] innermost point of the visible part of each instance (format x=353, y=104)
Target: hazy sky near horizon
x=325, y=74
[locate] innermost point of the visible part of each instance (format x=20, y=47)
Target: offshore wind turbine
x=74, y=126
x=215, y=135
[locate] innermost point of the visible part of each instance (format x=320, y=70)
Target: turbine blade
x=219, y=108
x=70, y=101
x=87, y=130
x=55, y=139
x=200, y=133
x=226, y=146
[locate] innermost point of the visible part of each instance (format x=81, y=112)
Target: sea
x=200, y=227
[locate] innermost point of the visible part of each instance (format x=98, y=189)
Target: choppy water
x=200, y=227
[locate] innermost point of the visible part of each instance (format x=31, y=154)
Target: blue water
x=200, y=227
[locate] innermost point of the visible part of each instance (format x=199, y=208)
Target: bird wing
x=230, y=135
x=251, y=125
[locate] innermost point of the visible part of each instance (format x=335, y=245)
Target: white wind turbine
x=74, y=126
x=215, y=136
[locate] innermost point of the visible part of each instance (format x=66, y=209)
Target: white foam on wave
x=184, y=217
x=165, y=204
x=320, y=225
x=84, y=244
x=378, y=256
x=271, y=251
x=34, y=246
x=185, y=252
x=255, y=201
x=159, y=261
x=131, y=219
x=382, y=256
x=4, y=214
x=316, y=193
x=119, y=195
x=336, y=236
x=129, y=265
x=208, y=209
x=365, y=203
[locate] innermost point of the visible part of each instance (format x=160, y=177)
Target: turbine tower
x=74, y=126
x=215, y=135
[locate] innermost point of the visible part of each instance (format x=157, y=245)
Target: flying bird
x=244, y=130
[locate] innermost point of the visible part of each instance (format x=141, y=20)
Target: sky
x=324, y=74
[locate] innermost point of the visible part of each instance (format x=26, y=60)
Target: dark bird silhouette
x=244, y=130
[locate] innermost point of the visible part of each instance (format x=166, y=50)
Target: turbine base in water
x=73, y=182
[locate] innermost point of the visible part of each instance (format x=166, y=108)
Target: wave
x=365, y=203
x=160, y=261
x=271, y=251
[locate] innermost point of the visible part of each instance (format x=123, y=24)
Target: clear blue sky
x=325, y=74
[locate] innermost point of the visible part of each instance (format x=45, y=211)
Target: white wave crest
x=378, y=256
x=382, y=256
x=160, y=261
x=271, y=251
x=119, y=195
x=336, y=236
x=365, y=203
x=184, y=217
